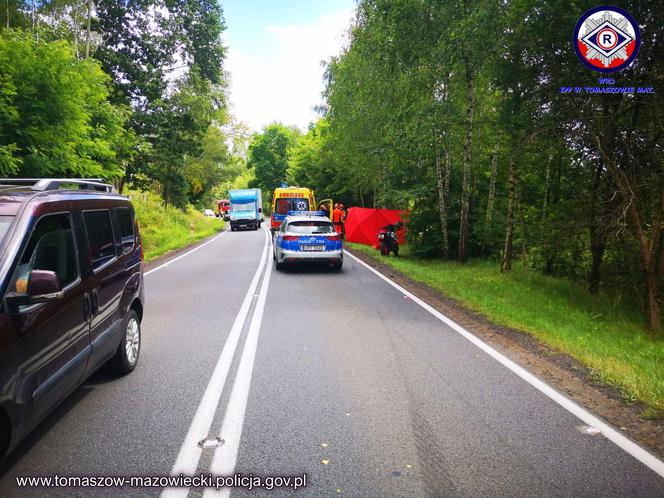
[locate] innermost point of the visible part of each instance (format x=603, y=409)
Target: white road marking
x=183, y=255
x=189, y=455
x=626, y=444
x=225, y=457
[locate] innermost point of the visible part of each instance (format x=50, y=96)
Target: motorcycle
x=388, y=239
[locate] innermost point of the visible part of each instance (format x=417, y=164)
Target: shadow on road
x=309, y=268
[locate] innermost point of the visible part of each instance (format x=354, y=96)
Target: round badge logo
x=607, y=39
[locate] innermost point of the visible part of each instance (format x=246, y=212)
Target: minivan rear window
x=126, y=226
x=100, y=237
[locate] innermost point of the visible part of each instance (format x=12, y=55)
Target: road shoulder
x=561, y=371
x=170, y=255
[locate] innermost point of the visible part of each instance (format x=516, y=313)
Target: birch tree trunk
x=467, y=157
x=506, y=263
x=88, y=35
x=443, y=185
x=492, y=185
x=522, y=226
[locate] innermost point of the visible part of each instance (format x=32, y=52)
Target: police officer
x=337, y=216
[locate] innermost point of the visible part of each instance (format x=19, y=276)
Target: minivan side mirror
x=43, y=286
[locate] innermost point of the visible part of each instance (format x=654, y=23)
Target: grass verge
x=606, y=336
x=164, y=229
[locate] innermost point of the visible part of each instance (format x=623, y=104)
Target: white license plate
x=312, y=248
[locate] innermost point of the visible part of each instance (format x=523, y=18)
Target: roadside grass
x=607, y=336
x=164, y=229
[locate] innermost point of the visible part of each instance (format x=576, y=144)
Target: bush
x=167, y=228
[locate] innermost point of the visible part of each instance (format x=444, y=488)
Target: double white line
x=225, y=456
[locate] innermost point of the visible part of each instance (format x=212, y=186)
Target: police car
x=307, y=237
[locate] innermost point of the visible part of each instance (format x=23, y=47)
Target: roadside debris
x=210, y=443
x=587, y=429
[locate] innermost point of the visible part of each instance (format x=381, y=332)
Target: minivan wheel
x=126, y=357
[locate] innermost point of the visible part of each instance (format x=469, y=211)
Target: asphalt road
x=336, y=375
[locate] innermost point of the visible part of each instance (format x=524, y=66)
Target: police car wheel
x=279, y=266
x=337, y=266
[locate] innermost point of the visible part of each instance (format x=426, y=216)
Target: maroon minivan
x=72, y=294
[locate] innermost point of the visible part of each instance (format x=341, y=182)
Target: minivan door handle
x=95, y=302
x=87, y=312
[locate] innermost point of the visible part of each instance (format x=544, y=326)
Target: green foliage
x=199, y=24
x=167, y=64
x=166, y=228
x=57, y=120
x=268, y=156
x=398, y=101
x=183, y=151
x=603, y=333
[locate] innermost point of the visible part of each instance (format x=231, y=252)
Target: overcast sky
x=274, y=54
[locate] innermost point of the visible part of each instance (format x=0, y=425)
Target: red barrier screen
x=362, y=224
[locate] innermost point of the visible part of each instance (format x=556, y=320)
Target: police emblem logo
x=607, y=39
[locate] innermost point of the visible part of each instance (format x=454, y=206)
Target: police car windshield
x=310, y=227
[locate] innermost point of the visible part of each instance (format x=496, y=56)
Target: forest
x=454, y=111
x=450, y=110
x=130, y=91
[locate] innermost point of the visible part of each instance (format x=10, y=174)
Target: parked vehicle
x=389, y=242
x=223, y=209
x=246, y=208
x=209, y=213
x=287, y=199
x=307, y=237
x=72, y=294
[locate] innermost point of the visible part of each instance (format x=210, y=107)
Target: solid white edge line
x=145, y=274
x=225, y=457
x=626, y=444
x=189, y=454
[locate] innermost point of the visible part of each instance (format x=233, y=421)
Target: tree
x=184, y=120
x=268, y=156
x=166, y=55
x=56, y=116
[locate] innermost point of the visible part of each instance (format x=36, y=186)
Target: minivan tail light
x=290, y=237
